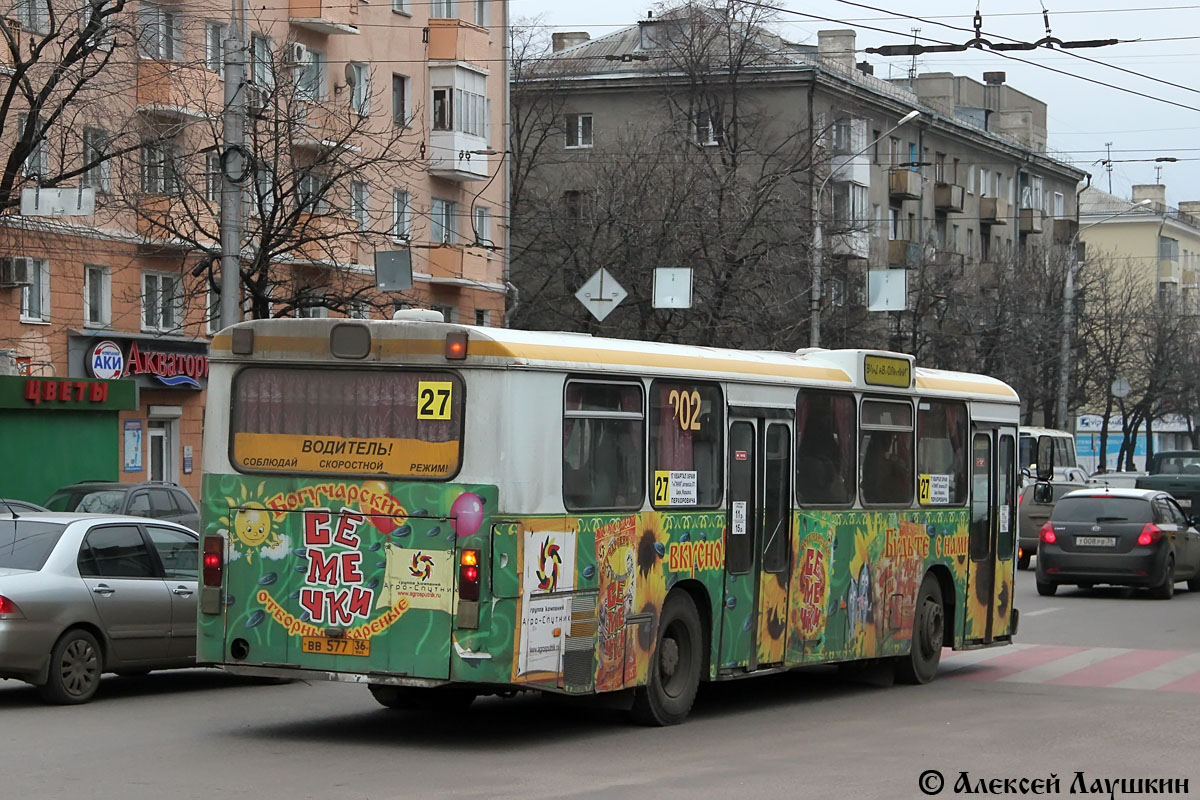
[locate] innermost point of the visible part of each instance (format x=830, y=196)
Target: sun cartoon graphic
x=249, y=522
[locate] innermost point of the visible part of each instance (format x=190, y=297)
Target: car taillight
x=214, y=561
x=1150, y=534
x=1047, y=534
x=468, y=575
x=8, y=609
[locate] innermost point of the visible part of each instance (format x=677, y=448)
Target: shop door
x=161, y=468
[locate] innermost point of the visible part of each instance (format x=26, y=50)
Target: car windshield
x=1101, y=508
x=26, y=544
x=100, y=501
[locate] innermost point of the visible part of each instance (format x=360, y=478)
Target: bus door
x=991, y=550
x=757, y=543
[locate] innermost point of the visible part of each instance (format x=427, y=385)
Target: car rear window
x=1101, y=509
x=26, y=544
x=100, y=501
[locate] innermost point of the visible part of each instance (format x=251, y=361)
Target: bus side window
x=687, y=435
x=826, y=426
x=887, y=453
x=603, y=450
x=942, y=448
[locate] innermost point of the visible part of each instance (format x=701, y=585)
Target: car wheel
x=929, y=630
x=1047, y=589
x=411, y=698
x=1023, y=560
x=1166, y=589
x=675, y=666
x=75, y=667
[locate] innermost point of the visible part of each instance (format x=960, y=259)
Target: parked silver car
x=85, y=594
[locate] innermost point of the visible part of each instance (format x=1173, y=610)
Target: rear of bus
x=336, y=542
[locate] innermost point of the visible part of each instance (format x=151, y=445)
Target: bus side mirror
x=1045, y=458
x=1043, y=494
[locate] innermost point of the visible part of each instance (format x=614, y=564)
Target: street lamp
x=814, y=329
x=1064, y=354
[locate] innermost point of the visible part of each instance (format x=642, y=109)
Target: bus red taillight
x=468, y=575
x=1047, y=534
x=214, y=562
x=1150, y=534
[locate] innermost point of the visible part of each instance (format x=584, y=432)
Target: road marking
x=1011, y=663
x=1125, y=666
x=1061, y=665
x=1041, y=611
x=1161, y=677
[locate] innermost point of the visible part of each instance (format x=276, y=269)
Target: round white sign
x=106, y=361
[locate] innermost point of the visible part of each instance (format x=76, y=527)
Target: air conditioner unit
x=296, y=54
x=257, y=97
x=15, y=272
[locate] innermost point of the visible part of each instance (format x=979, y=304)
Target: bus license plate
x=335, y=647
x=1095, y=541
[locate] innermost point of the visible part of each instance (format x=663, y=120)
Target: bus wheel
x=410, y=698
x=674, y=678
x=929, y=627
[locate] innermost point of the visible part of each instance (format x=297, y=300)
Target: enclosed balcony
x=1065, y=230
x=903, y=253
x=948, y=197
x=457, y=40
x=993, y=211
x=325, y=16
x=454, y=263
x=904, y=184
x=458, y=156
x=174, y=91
x=1031, y=220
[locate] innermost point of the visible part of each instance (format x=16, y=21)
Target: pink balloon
x=466, y=514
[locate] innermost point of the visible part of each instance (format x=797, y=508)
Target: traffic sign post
x=601, y=294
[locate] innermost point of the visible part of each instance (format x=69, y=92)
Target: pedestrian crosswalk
x=1063, y=665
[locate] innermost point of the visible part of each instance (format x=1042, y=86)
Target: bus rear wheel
x=411, y=698
x=929, y=630
x=675, y=666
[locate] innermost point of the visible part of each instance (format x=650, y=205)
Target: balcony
x=1065, y=230
x=160, y=218
x=948, y=258
x=990, y=274
x=175, y=91
x=456, y=40
x=856, y=244
x=329, y=238
x=904, y=184
x=903, y=253
x=323, y=126
x=453, y=263
x=993, y=211
x=1031, y=220
x=326, y=17
x=1169, y=271
x=948, y=197
x=451, y=157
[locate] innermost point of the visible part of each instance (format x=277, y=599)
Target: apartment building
x=371, y=128
x=968, y=185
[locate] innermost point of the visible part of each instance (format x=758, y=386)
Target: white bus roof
x=423, y=343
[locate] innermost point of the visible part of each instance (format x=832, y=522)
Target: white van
x=1066, y=467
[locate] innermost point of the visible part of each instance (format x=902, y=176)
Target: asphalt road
x=1101, y=682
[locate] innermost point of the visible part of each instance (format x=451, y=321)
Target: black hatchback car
x=1127, y=537
x=154, y=499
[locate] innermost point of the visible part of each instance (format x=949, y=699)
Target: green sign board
x=67, y=394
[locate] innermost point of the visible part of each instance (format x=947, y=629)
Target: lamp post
x=1064, y=353
x=814, y=329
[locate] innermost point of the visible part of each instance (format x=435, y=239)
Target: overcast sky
x=1083, y=115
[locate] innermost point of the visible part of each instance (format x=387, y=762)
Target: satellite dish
x=351, y=75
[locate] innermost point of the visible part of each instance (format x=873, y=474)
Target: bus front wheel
x=929, y=629
x=675, y=666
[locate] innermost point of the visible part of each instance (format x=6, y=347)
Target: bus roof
x=423, y=342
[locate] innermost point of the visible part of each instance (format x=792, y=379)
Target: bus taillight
x=214, y=564
x=468, y=575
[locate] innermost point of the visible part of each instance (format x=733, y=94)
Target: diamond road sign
x=601, y=294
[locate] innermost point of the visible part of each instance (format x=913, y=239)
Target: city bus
x=442, y=511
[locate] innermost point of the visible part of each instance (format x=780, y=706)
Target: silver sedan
x=85, y=594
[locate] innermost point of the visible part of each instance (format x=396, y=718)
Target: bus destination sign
x=887, y=371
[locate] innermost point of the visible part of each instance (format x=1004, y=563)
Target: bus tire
x=675, y=666
x=929, y=630
x=409, y=698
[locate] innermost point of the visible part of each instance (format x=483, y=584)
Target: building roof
x=1093, y=201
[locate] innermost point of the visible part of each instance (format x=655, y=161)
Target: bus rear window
x=347, y=422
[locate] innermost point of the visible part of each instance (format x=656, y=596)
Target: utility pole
x=235, y=163
x=1108, y=164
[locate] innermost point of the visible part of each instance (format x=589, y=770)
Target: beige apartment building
x=372, y=128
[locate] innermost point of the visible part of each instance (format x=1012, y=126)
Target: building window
x=311, y=305
x=360, y=92
x=1060, y=205
x=97, y=296
x=34, y=15
x=400, y=6
x=264, y=191
x=162, y=32
x=262, y=65
x=159, y=168
x=970, y=181
x=310, y=76
x=442, y=9
x=214, y=47
x=983, y=180
x=162, y=301
x=311, y=189
x=449, y=313
x=483, y=317
x=573, y=200
x=893, y=152
x=442, y=228
x=483, y=226
x=401, y=214
x=35, y=298
x=708, y=129
x=481, y=13
x=95, y=160
x=875, y=135
x=359, y=204
x=939, y=167
x=400, y=84
x=470, y=103
x=579, y=130
x=443, y=114
x=38, y=160
x=358, y=309
x=212, y=176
